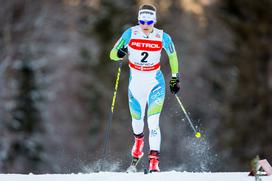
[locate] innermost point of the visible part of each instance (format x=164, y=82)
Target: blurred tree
x=25, y=152
x=21, y=149
x=246, y=94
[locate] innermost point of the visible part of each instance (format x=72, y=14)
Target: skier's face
x=146, y=26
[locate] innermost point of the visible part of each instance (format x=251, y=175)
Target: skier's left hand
x=174, y=85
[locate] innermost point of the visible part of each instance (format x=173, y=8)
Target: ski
x=146, y=171
x=132, y=168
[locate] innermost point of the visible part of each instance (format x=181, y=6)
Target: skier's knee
x=138, y=126
x=153, y=123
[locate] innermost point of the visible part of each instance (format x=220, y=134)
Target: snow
x=139, y=176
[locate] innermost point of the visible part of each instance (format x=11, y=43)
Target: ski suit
x=146, y=82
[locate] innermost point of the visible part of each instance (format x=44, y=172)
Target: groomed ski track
x=139, y=176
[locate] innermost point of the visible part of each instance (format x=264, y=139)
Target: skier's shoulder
x=127, y=30
x=166, y=37
x=127, y=33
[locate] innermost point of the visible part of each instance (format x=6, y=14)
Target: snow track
x=108, y=176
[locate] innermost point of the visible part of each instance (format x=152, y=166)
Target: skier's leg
x=155, y=104
x=154, y=132
x=137, y=104
x=137, y=114
x=154, y=142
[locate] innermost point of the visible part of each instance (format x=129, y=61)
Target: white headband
x=146, y=14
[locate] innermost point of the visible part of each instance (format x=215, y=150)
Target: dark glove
x=174, y=85
x=122, y=52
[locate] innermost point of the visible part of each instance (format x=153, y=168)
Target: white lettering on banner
x=145, y=45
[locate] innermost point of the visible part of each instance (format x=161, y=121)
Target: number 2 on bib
x=145, y=55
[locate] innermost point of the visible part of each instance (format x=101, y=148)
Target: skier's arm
x=119, y=50
x=169, y=47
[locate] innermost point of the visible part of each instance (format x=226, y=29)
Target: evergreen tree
x=26, y=120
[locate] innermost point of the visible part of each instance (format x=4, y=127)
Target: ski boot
x=154, y=161
x=136, y=152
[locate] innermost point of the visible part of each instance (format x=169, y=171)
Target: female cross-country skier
x=143, y=44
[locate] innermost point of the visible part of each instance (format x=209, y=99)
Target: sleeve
x=169, y=47
x=123, y=41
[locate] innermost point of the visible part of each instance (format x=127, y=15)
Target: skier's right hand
x=122, y=52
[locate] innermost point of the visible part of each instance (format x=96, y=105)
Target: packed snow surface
x=139, y=176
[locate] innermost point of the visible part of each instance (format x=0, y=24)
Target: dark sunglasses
x=142, y=22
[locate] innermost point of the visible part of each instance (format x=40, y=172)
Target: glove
x=122, y=52
x=174, y=85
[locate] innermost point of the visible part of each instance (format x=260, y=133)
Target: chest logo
x=145, y=45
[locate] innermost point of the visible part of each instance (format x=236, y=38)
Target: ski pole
x=107, y=134
x=197, y=134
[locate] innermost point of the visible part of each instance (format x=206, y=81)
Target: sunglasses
x=142, y=22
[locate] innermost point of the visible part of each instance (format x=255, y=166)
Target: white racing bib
x=145, y=53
